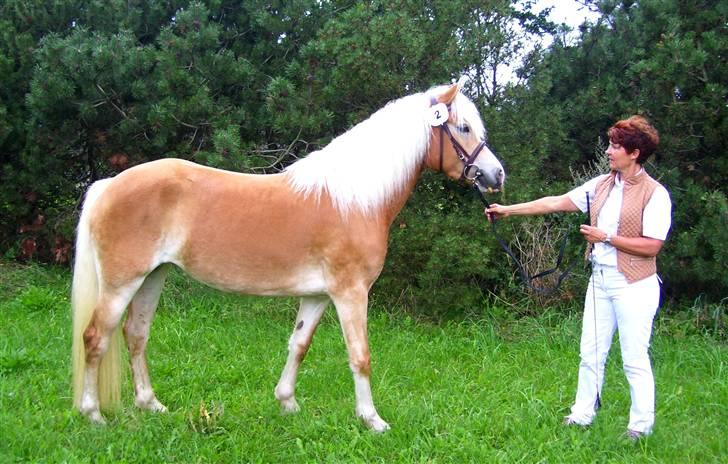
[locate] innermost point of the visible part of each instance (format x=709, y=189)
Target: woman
x=630, y=219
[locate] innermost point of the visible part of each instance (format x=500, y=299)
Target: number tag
x=438, y=114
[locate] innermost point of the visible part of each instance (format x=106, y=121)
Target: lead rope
x=525, y=278
x=598, y=402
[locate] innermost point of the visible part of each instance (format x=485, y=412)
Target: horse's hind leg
x=309, y=316
x=97, y=337
x=351, y=307
x=136, y=330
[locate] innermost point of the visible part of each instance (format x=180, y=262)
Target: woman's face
x=619, y=158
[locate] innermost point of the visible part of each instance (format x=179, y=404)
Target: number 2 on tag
x=439, y=114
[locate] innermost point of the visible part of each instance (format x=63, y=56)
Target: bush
x=444, y=260
x=694, y=260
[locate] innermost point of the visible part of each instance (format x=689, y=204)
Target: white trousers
x=630, y=308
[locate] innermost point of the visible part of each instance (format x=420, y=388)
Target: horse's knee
x=361, y=363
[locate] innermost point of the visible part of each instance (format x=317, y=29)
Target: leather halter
x=470, y=171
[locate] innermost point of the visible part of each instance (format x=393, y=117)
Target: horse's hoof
x=376, y=424
x=156, y=406
x=95, y=417
x=152, y=405
x=290, y=406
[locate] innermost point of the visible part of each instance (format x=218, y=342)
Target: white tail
x=84, y=296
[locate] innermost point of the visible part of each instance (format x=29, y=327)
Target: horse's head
x=459, y=140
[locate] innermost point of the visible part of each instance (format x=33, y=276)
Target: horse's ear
x=449, y=95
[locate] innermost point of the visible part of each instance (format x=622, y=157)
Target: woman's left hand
x=592, y=234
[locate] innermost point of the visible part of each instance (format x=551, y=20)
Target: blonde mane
x=375, y=159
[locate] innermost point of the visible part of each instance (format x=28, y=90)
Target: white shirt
x=656, y=217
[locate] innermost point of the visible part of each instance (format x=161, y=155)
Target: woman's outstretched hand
x=496, y=211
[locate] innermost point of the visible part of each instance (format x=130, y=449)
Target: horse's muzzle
x=491, y=179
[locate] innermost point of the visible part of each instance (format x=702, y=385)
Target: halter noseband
x=470, y=171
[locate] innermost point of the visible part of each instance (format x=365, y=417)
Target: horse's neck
x=397, y=201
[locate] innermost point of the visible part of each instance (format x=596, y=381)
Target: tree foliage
x=90, y=87
x=665, y=59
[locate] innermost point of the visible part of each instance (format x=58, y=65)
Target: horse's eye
x=464, y=129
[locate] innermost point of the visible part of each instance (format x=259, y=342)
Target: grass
x=472, y=391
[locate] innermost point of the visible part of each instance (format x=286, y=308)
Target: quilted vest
x=636, y=194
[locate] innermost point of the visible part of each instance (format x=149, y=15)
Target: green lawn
x=474, y=391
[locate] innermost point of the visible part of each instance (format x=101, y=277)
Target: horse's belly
x=283, y=282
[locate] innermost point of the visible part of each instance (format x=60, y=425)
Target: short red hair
x=635, y=133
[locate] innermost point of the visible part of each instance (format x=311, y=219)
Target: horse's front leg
x=309, y=316
x=351, y=307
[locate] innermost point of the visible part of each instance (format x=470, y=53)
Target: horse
x=318, y=230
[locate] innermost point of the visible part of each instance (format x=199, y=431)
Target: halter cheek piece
x=470, y=171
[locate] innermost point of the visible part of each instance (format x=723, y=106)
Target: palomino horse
x=318, y=231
